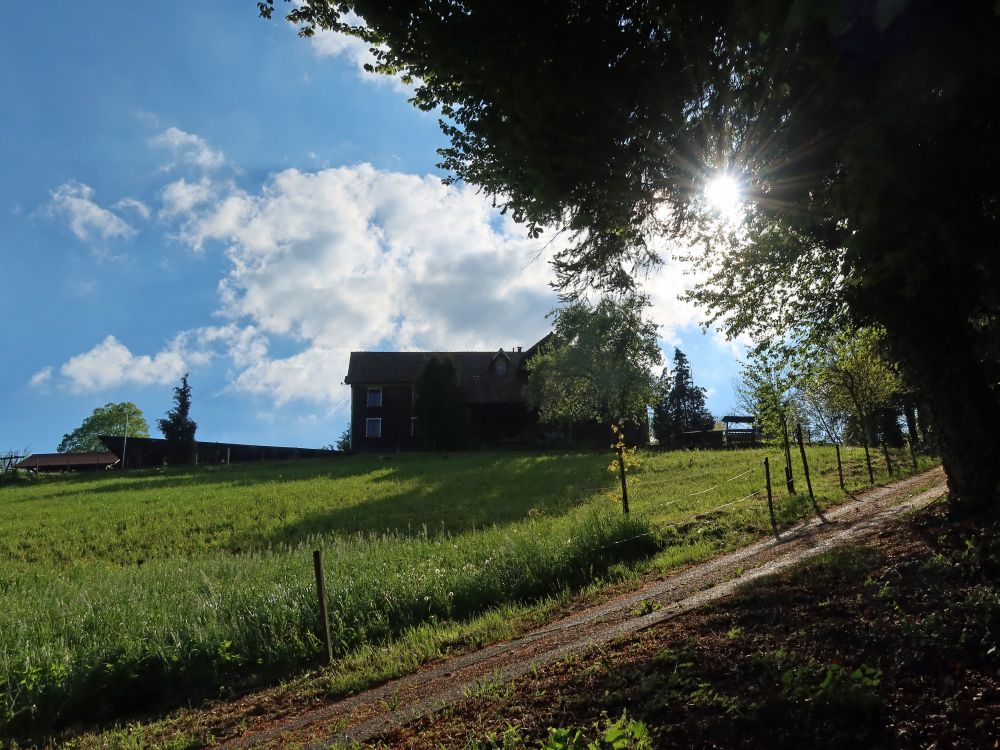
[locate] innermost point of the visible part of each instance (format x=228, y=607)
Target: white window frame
x=368, y=398
x=377, y=421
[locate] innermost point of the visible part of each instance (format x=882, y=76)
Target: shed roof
x=480, y=381
x=38, y=460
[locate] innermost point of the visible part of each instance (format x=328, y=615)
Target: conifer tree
x=178, y=427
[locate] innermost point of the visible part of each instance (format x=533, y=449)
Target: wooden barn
x=68, y=462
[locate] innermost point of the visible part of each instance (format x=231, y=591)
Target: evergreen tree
x=439, y=404
x=682, y=405
x=178, y=427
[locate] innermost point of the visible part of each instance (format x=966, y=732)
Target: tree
x=343, y=444
x=598, y=366
x=178, y=428
x=766, y=391
x=682, y=406
x=858, y=130
x=115, y=419
x=439, y=404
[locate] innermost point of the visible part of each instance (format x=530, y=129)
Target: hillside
x=126, y=594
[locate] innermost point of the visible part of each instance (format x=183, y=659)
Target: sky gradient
x=192, y=189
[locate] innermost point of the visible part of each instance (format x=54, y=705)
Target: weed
x=646, y=607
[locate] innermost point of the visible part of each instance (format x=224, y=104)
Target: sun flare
x=724, y=194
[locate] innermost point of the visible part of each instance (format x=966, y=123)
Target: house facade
x=382, y=398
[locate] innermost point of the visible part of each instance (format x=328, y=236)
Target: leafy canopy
x=598, y=363
x=110, y=419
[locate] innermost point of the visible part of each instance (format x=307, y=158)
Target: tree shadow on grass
x=456, y=501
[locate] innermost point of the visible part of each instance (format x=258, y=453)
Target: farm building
x=143, y=452
x=382, y=398
x=67, y=462
x=497, y=412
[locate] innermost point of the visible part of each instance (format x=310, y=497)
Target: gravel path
x=368, y=714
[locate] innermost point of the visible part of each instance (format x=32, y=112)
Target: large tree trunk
x=945, y=369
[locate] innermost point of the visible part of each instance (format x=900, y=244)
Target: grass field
x=121, y=594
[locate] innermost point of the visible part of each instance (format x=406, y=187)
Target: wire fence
x=750, y=483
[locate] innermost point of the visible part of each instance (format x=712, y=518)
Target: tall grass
x=88, y=642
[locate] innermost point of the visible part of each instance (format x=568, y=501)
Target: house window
x=501, y=367
x=373, y=428
x=413, y=427
x=374, y=397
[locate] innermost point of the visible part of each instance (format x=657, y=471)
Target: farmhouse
x=382, y=416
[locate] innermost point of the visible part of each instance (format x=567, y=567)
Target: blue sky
x=188, y=188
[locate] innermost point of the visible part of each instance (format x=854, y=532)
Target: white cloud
x=134, y=205
x=181, y=197
x=74, y=202
x=41, y=377
x=189, y=148
x=358, y=258
x=315, y=375
x=111, y=364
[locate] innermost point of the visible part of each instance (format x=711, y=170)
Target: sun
x=724, y=194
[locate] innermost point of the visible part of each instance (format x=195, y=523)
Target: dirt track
x=368, y=714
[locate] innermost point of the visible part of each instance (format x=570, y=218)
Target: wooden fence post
x=770, y=501
x=324, y=616
x=789, y=481
x=621, y=474
x=913, y=454
x=805, y=468
x=840, y=468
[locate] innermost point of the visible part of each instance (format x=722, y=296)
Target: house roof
x=481, y=383
x=67, y=459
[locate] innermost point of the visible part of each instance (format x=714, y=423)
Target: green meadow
x=121, y=595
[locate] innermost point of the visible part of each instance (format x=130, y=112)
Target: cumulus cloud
x=189, y=148
x=111, y=364
x=181, y=197
x=41, y=377
x=359, y=258
x=74, y=202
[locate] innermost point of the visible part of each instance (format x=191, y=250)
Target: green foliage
x=439, y=404
x=178, y=427
x=110, y=419
x=343, y=444
x=765, y=391
x=599, y=366
x=836, y=688
x=850, y=384
x=681, y=404
x=621, y=734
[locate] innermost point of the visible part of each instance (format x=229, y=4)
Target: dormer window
x=500, y=362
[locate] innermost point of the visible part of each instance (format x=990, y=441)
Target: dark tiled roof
x=481, y=383
x=68, y=459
